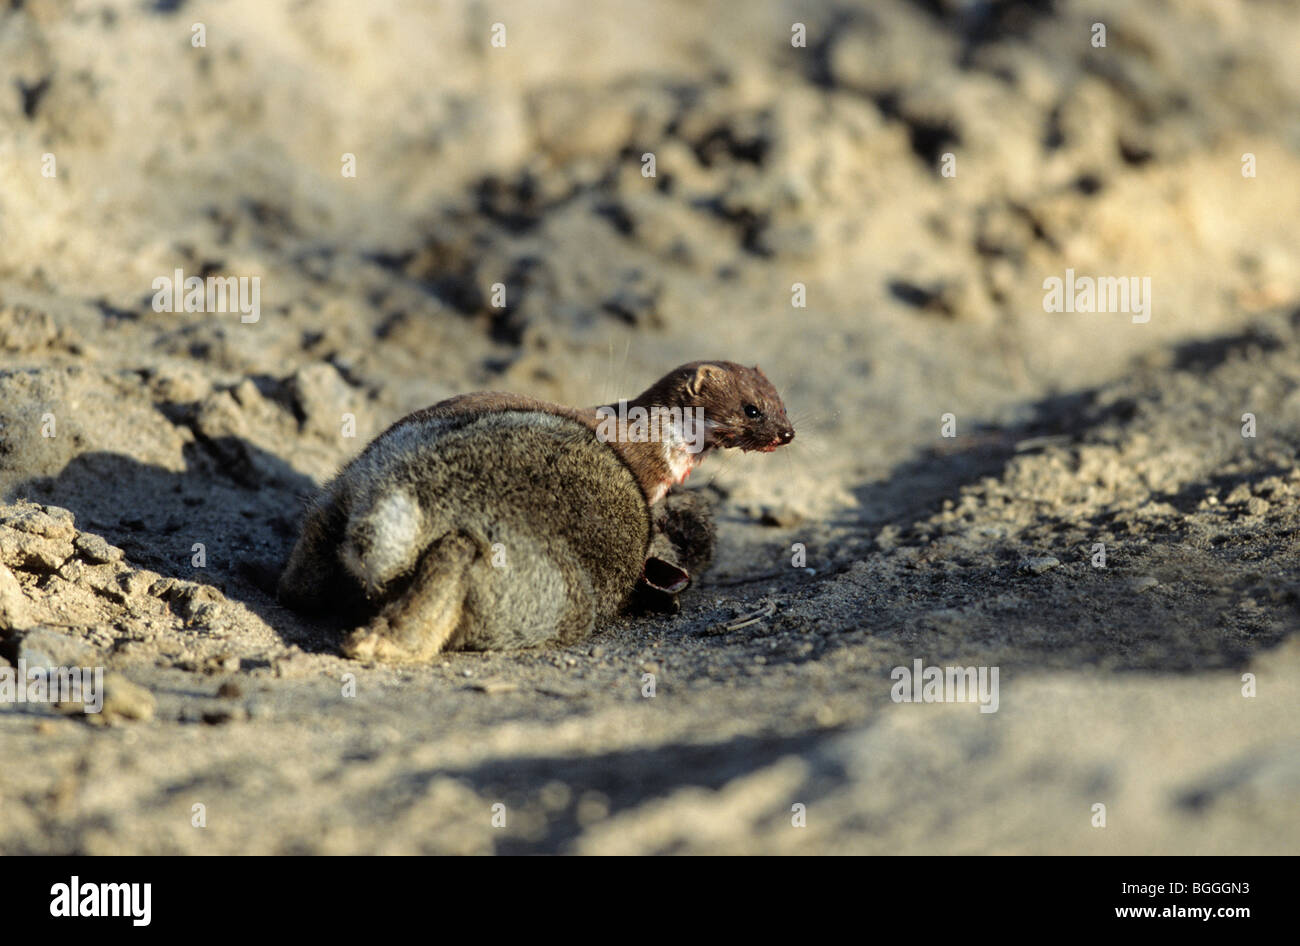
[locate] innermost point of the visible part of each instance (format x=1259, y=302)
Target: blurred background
x=869, y=215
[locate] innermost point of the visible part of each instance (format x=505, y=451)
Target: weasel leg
x=417, y=624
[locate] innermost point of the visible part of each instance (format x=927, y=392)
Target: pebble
x=783, y=517
x=126, y=700
x=1257, y=506
x=95, y=549
x=259, y=710
x=52, y=522
x=322, y=397
x=495, y=686
x=43, y=647
x=122, y=700
x=1039, y=564
x=13, y=603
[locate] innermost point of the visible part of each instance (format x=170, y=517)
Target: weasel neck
x=662, y=444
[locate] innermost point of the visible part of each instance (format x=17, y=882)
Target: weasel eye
x=752, y=411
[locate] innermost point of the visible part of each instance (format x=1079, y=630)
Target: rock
x=1039, y=564
x=1239, y=495
x=220, y=424
x=247, y=395
x=887, y=538
x=35, y=538
x=495, y=686
x=13, y=603
x=95, y=549
x=215, y=663
x=24, y=329
x=783, y=517
x=52, y=522
x=179, y=385
x=851, y=62
x=141, y=581
x=124, y=700
x=258, y=709
x=32, y=553
x=874, y=61
x=1273, y=486
x=1145, y=583
x=574, y=121
x=322, y=398
x=120, y=699
x=43, y=647
x=295, y=664
x=189, y=600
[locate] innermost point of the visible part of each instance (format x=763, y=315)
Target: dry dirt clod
x=1039, y=564
x=13, y=603
x=122, y=701
x=495, y=686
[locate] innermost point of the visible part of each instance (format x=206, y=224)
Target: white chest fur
x=679, y=459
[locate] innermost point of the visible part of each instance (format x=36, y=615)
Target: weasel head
x=741, y=406
x=690, y=411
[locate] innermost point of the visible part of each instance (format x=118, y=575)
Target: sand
x=153, y=464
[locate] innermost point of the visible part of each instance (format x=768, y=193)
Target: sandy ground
x=130, y=436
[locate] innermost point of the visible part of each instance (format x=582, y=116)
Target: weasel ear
x=704, y=373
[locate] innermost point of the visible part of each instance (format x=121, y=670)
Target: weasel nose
x=787, y=435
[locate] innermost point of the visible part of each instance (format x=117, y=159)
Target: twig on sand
x=744, y=620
